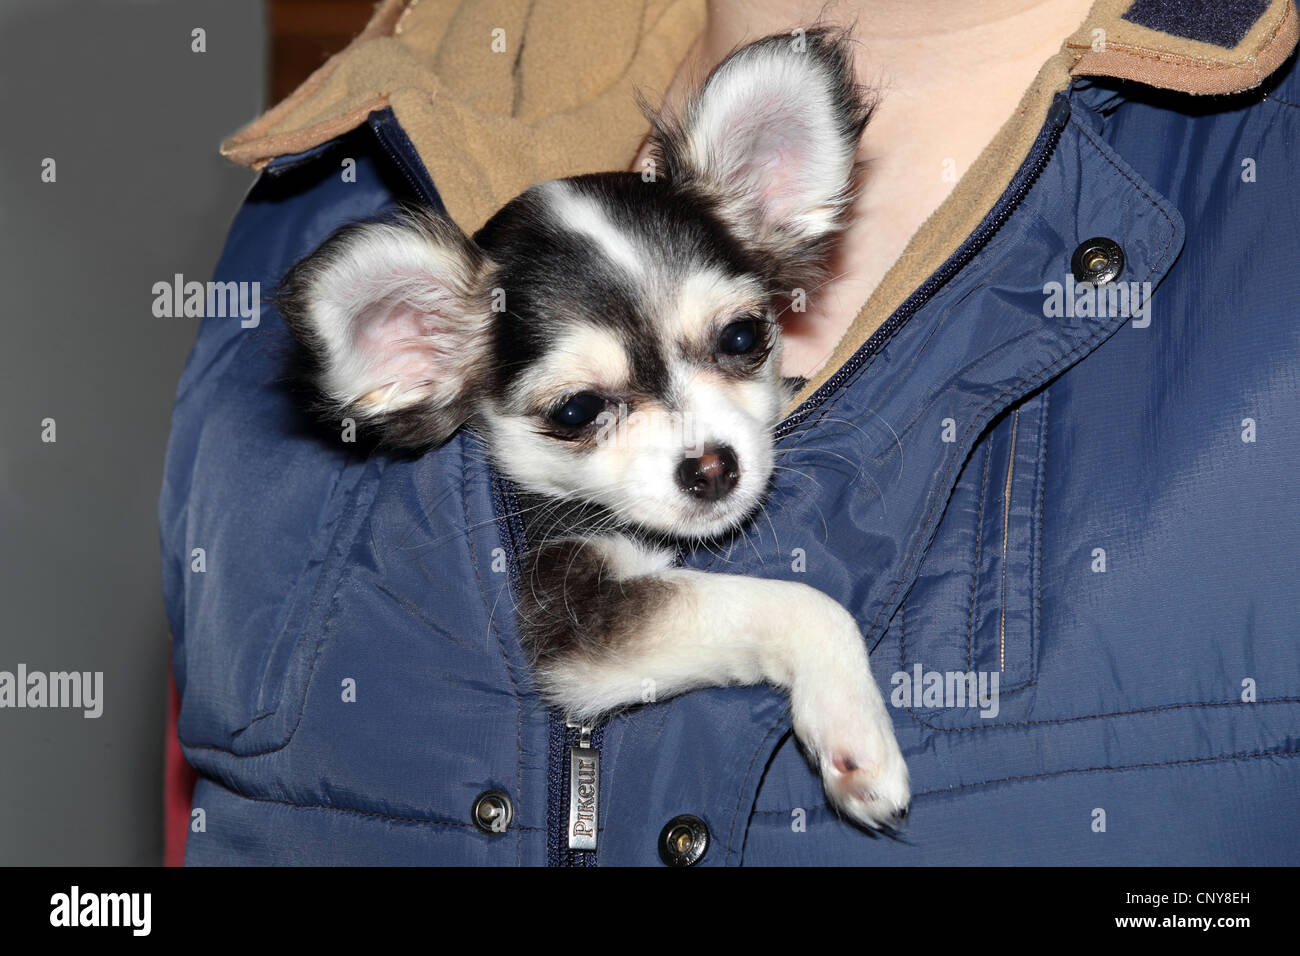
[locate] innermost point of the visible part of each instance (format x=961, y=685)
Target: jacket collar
x=1193, y=46
x=489, y=126
x=1160, y=43
x=517, y=119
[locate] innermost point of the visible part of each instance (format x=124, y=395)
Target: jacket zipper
x=573, y=799
x=584, y=791
x=580, y=775
x=402, y=152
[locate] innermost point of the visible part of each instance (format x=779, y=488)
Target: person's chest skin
x=942, y=98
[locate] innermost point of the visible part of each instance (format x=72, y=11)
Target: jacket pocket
x=968, y=629
x=276, y=509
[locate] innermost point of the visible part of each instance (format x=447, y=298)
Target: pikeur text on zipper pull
x=584, y=792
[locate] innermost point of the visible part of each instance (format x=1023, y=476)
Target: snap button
x=683, y=840
x=1098, y=260
x=492, y=811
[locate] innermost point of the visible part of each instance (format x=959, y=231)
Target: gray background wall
x=111, y=90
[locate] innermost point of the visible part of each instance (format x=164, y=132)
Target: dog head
x=614, y=337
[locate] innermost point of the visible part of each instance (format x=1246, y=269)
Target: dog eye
x=741, y=338
x=577, y=410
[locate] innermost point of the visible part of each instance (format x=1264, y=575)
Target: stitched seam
x=341, y=498
x=902, y=636
x=1190, y=761
x=744, y=841
x=1032, y=679
x=1036, y=578
x=1006, y=531
x=394, y=818
x=1124, y=50
x=1203, y=62
x=1053, y=721
x=496, y=631
x=1097, y=145
x=975, y=568
x=320, y=639
x=1101, y=332
x=762, y=745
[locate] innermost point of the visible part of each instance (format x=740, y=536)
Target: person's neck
x=911, y=44
x=731, y=22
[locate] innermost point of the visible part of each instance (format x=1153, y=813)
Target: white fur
x=393, y=314
x=583, y=357
x=633, y=471
x=724, y=629
x=390, y=311
x=712, y=417
x=764, y=128
x=582, y=214
x=705, y=300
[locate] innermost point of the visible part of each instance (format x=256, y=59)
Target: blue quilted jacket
x=1099, y=508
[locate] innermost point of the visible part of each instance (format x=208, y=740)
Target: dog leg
x=611, y=623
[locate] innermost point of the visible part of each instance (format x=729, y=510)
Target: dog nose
x=712, y=475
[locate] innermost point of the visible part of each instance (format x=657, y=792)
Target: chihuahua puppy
x=614, y=340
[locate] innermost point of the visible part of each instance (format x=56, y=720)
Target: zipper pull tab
x=584, y=791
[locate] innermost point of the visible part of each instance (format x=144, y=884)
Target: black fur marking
x=574, y=604
x=575, y=607
x=553, y=276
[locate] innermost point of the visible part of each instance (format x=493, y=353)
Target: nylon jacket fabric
x=1099, y=509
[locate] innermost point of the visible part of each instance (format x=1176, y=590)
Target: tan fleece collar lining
x=1131, y=52
x=498, y=95
x=557, y=100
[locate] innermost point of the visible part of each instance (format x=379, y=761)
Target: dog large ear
x=771, y=139
x=392, y=319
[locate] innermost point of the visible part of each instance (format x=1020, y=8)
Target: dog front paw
x=866, y=778
x=848, y=732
